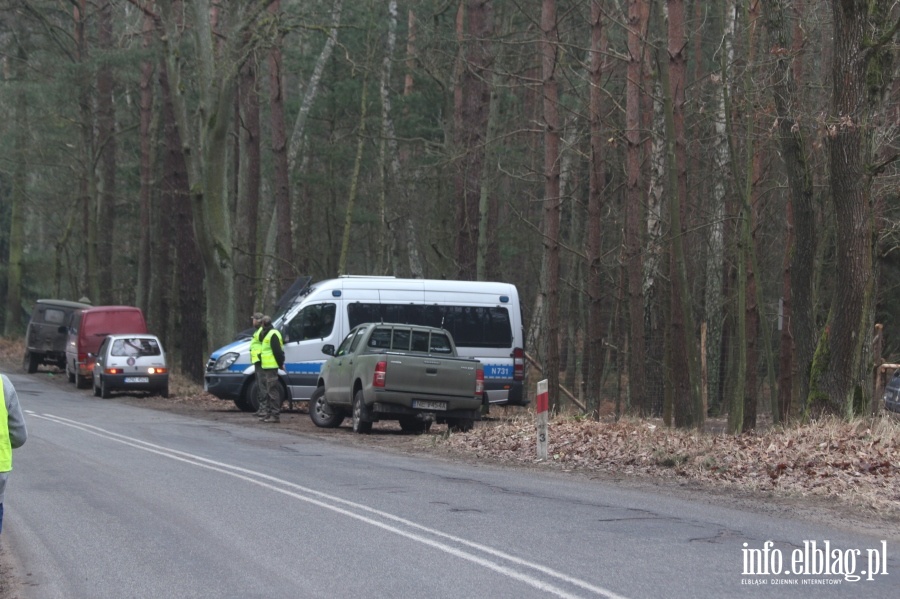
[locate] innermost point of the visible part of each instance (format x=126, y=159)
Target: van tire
x=69, y=374
x=32, y=360
x=361, y=423
x=317, y=411
x=80, y=381
x=96, y=389
x=249, y=401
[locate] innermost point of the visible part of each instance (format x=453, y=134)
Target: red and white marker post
x=542, y=419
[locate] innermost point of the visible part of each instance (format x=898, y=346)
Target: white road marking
x=260, y=478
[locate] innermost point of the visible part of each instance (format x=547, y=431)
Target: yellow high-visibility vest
x=268, y=358
x=5, y=443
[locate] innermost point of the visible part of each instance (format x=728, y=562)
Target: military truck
x=45, y=338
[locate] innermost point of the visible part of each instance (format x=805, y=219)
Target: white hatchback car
x=131, y=362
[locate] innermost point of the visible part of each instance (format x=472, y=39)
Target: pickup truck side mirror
x=328, y=349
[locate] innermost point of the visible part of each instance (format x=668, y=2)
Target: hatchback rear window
x=135, y=347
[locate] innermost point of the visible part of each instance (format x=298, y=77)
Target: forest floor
x=846, y=474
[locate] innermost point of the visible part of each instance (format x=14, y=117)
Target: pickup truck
x=388, y=371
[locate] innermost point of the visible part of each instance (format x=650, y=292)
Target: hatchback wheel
x=104, y=389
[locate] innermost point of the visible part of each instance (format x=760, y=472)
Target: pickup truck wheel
x=317, y=412
x=360, y=415
x=414, y=425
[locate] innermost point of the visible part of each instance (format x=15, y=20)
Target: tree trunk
x=593, y=346
x=634, y=202
x=471, y=120
x=684, y=367
x=12, y=324
x=106, y=132
x=247, y=261
x=549, y=46
x=147, y=161
x=840, y=376
x=715, y=259
x=284, y=242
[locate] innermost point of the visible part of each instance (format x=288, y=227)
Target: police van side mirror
x=328, y=349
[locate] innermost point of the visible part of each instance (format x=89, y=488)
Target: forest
x=696, y=199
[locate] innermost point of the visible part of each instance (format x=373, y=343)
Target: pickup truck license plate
x=424, y=404
x=137, y=379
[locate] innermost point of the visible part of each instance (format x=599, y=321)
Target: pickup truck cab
x=388, y=371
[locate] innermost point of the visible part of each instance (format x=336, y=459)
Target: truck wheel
x=31, y=362
x=317, y=412
x=361, y=424
x=460, y=425
x=414, y=425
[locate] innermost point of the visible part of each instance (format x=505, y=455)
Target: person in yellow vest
x=271, y=359
x=12, y=433
x=255, y=348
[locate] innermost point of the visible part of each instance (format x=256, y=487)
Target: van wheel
x=317, y=412
x=69, y=374
x=80, y=381
x=104, y=390
x=32, y=360
x=249, y=402
x=361, y=423
x=96, y=388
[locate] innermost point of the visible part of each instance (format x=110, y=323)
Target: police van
x=484, y=318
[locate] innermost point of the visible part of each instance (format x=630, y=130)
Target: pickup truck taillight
x=479, y=383
x=518, y=364
x=380, y=372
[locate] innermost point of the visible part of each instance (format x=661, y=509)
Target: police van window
x=315, y=321
x=471, y=326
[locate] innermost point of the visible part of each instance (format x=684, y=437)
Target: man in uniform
x=12, y=433
x=255, y=348
x=271, y=359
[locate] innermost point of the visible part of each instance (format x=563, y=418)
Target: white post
x=542, y=419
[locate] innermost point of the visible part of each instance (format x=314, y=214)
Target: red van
x=87, y=330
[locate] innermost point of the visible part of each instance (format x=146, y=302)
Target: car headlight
x=225, y=361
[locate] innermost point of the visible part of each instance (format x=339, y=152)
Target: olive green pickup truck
x=385, y=371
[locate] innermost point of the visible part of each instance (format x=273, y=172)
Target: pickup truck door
x=337, y=385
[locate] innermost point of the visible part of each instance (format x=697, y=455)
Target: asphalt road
x=112, y=500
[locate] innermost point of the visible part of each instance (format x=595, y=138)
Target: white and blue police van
x=484, y=318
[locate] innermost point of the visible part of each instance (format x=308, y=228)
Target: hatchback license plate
x=137, y=379
x=429, y=405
